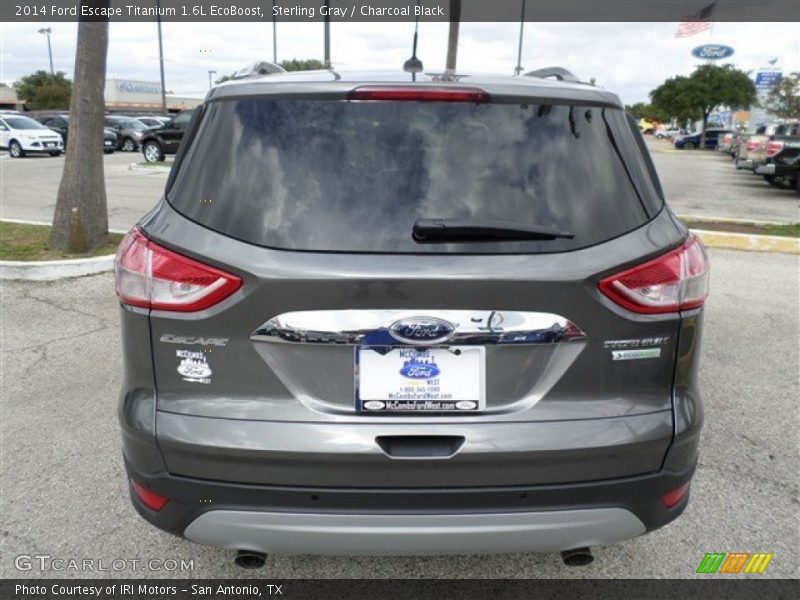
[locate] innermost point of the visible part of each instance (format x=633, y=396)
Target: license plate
x=407, y=379
x=108, y=143
x=49, y=144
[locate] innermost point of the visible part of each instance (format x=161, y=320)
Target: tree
x=41, y=90
x=310, y=64
x=81, y=217
x=642, y=110
x=783, y=100
x=698, y=95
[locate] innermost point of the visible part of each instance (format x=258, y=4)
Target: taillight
x=774, y=147
x=677, y=280
x=673, y=497
x=419, y=94
x=149, y=498
x=153, y=277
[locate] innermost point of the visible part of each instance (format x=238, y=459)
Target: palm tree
x=81, y=217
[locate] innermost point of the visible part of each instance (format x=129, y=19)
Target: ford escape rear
x=377, y=316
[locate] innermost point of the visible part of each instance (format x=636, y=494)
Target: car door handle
x=420, y=446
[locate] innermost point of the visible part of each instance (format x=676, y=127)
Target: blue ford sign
x=712, y=51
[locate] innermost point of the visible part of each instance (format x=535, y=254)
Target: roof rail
x=559, y=73
x=258, y=69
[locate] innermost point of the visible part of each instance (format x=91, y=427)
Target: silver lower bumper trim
x=404, y=534
x=765, y=169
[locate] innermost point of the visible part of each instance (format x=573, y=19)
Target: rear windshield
x=349, y=176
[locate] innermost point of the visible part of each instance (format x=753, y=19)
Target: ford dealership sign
x=712, y=51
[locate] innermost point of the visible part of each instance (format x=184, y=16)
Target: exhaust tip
x=577, y=557
x=248, y=559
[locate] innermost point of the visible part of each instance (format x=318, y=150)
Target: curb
x=750, y=242
x=154, y=170
x=50, y=270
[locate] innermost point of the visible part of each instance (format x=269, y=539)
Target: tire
x=153, y=152
x=797, y=184
x=689, y=146
x=108, y=151
x=15, y=149
x=55, y=153
x=128, y=145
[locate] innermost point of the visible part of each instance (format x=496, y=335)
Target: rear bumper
x=346, y=521
x=745, y=163
x=303, y=533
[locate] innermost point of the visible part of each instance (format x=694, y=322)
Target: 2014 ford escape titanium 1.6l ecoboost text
x=377, y=316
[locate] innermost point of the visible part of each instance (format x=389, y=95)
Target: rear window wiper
x=482, y=230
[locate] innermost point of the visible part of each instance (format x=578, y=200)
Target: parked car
x=154, y=122
x=692, y=140
x=781, y=166
x=753, y=146
x=129, y=131
x=668, y=133
x=416, y=350
x=23, y=135
x=157, y=143
x=60, y=124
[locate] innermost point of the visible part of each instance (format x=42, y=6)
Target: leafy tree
x=81, y=216
x=783, y=100
x=311, y=64
x=708, y=87
x=643, y=110
x=41, y=90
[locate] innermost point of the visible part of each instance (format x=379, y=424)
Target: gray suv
x=377, y=315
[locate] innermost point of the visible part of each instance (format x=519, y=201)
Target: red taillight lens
x=419, y=94
x=150, y=499
x=773, y=148
x=678, y=280
x=150, y=276
x=673, y=497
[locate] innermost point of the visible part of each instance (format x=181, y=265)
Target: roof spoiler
x=258, y=69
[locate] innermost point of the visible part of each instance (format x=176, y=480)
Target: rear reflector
x=419, y=94
x=150, y=276
x=150, y=499
x=672, y=498
x=773, y=148
x=678, y=280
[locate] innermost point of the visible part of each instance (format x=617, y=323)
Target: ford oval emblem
x=712, y=51
x=421, y=330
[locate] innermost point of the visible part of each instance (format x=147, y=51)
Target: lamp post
x=518, y=69
x=210, y=84
x=47, y=31
x=274, y=36
x=161, y=59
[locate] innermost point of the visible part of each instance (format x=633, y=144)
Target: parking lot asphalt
x=29, y=186
x=64, y=492
x=706, y=184
x=696, y=183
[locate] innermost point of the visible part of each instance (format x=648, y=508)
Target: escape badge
x=194, y=366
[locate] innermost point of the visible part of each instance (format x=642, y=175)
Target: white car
x=672, y=132
x=22, y=135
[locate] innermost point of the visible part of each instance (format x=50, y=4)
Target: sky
x=627, y=58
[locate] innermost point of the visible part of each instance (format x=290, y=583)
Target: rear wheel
x=15, y=149
x=797, y=184
x=153, y=152
x=689, y=146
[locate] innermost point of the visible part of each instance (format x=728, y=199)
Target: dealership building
x=132, y=95
x=121, y=95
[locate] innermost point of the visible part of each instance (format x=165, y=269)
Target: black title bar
x=395, y=10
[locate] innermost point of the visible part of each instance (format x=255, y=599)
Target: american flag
x=692, y=24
